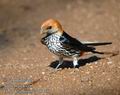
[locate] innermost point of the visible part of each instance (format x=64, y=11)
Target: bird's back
x=74, y=43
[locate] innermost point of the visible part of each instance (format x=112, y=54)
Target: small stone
x=31, y=76
x=90, y=82
x=110, y=62
x=103, y=73
x=91, y=67
x=87, y=72
x=108, y=79
x=43, y=73
x=2, y=83
x=96, y=62
x=31, y=64
x=74, y=79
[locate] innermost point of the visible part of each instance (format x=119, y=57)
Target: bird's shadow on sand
x=81, y=62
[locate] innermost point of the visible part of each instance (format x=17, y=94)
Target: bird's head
x=51, y=26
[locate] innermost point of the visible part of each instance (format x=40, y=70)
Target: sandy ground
x=23, y=59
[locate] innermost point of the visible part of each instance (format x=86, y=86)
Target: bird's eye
x=49, y=27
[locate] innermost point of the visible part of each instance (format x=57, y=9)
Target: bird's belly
x=59, y=50
x=55, y=46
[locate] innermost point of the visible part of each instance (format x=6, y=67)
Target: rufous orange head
x=51, y=26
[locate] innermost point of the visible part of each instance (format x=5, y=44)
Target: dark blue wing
x=72, y=43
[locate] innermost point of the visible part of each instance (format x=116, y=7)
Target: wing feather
x=72, y=43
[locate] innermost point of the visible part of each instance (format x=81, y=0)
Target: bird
x=63, y=45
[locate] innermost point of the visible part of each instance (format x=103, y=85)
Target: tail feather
x=96, y=43
x=113, y=53
x=93, y=49
x=98, y=52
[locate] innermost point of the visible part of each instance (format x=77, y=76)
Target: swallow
x=63, y=45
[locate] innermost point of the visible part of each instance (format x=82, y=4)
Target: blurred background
x=23, y=57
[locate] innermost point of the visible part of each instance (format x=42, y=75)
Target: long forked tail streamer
x=96, y=43
x=112, y=53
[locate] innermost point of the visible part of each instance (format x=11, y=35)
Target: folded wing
x=72, y=43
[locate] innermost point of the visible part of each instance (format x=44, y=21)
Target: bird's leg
x=60, y=62
x=75, y=62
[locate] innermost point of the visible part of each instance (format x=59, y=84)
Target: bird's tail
x=111, y=53
x=96, y=43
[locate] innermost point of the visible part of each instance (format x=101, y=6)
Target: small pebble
x=43, y=73
x=91, y=67
x=3, y=83
x=103, y=73
x=74, y=79
x=87, y=72
x=32, y=65
x=31, y=76
x=109, y=62
x=96, y=62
